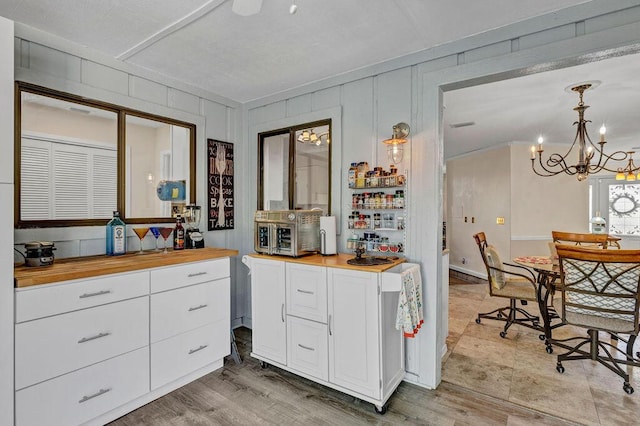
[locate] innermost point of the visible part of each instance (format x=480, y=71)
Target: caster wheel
x=380, y=409
x=628, y=388
x=263, y=364
x=560, y=369
x=477, y=320
x=503, y=334
x=541, y=336
x=549, y=349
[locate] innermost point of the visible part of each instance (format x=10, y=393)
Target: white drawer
x=52, y=346
x=86, y=393
x=307, y=291
x=41, y=301
x=176, y=311
x=193, y=273
x=307, y=347
x=182, y=354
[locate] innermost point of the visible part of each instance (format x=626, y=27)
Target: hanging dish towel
x=409, y=318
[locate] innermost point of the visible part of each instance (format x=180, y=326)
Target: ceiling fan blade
x=246, y=7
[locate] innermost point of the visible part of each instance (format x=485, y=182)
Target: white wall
x=478, y=191
x=46, y=60
x=410, y=89
x=6, y=222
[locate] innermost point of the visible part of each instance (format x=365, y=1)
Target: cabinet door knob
x=88, y=397
x=330, y=331
x=192, y=351
x=97, y=293
x=90, y=338
x=195, y=308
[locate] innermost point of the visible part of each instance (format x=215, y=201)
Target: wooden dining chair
x=510, y=281
x=600, y=292
x=585, y=240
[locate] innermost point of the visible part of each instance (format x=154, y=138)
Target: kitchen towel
x=409, y=318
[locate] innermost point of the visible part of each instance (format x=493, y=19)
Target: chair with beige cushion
x=600, y=292
x=513, y=282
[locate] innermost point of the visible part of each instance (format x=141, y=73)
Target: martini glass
x=141, y=232
x=165, y=232
x=156, y=233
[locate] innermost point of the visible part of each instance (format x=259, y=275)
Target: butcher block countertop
x=93, y=266
x=334, y=261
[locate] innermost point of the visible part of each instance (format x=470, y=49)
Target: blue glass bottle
x=116, y=236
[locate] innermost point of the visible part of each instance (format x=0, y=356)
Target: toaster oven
x=287, y=232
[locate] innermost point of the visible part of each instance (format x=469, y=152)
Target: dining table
x=547, y=273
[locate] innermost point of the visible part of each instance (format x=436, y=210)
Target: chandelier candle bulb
x=533, y=152
x=603, y=130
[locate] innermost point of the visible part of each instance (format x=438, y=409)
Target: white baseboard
x=468, y=272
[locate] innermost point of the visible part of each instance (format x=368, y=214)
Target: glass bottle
x=178, y=234
x=353, y=171
x=116, y=236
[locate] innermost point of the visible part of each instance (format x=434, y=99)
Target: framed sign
x=220, y=185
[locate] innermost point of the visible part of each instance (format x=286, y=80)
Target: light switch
x=500, y=220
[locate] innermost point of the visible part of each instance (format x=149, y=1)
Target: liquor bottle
x=116, y=236
x=178, y=234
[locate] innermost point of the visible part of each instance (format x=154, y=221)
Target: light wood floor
x=247, y=394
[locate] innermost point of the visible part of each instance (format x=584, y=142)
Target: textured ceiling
x=203, y=43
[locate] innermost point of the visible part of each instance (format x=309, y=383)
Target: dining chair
x=600, y=293
x=510, y=281
x=586, y=240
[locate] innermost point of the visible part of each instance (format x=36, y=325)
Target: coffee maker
x=193, y=236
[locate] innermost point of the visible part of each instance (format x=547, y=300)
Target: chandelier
x=591, y=157
x=310, y=137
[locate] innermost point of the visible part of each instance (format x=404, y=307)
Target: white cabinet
x=354, y=322
x=76, y=397
x=92, y=350
x=190, y=318
x=269, y=337
x=339, y=328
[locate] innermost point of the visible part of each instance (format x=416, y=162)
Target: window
x=618, y=202
x=78, y=160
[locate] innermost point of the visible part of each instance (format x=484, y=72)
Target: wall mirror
x=295, y=167
x=78, y=160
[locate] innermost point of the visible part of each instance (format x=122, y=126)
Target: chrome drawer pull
x=88, y=397
x=196, y=274
x=306, y=347
x=305, y=291
x=192, y=351
x=197, y=307
x=97, y=336
x=97, y=293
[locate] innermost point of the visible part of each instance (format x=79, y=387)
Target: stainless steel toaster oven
x=287, y=232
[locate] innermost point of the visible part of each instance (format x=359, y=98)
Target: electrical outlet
x=465, y=219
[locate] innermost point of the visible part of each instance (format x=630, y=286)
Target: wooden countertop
x=335, y=261
x=93, y=266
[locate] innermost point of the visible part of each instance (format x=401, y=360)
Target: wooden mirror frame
x=121, y=113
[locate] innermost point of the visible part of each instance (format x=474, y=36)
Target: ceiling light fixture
x=586, y=164
x=310, y=137
x=293, y=9
x=396, y=141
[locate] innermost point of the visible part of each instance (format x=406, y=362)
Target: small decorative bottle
x=178, y=234
x=116, y=236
